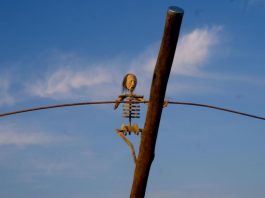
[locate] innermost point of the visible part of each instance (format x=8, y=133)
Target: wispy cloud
x=81, y=167
x=67, y=83
x=5, y=96
x=71, y=77
x=9, y=135
x=15, y=138
x=194, y=50
x=256, y=2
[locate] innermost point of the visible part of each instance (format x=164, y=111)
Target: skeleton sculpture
x=131, y=106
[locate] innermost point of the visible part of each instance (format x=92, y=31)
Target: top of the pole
x=175, y=10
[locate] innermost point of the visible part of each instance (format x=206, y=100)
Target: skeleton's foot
x=122, y=130
x=129, y=129
x=136, y=129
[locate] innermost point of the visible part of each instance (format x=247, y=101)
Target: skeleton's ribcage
x=131, y=110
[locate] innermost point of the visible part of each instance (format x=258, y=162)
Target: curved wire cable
x=112, y=102
x=55, y=106
x=217, y=108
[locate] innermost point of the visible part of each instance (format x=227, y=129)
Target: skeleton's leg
x=123, y=129
x=129, y=144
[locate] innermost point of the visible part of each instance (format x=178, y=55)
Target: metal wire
x=217, y=108
x=55, y=106
x=112, y=102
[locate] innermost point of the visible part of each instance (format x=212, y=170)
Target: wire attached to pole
x=55, y=106
x=217, y=108
x=112, y=102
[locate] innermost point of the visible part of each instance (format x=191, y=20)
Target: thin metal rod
x=217, y=108
x=146, y=101
x=55, y=106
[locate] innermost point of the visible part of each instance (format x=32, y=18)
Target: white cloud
x=81, y=80
x=5, y=96
x=71, y=77
x=69, y=167
x=10, y=135
x=15, y=138
x=194, y=49
x=67, y=83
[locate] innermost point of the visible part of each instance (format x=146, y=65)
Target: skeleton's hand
x=117, y=102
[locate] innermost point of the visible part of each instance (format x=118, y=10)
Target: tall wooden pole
x=156, y=100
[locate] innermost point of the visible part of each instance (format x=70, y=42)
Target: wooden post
x=156, y=100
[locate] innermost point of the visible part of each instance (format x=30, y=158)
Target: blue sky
x=54, y=52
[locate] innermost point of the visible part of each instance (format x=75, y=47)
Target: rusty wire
x=55, y=106
x=217, y=108
x=112, y=102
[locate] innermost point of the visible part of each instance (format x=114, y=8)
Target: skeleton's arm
x=118, y=100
